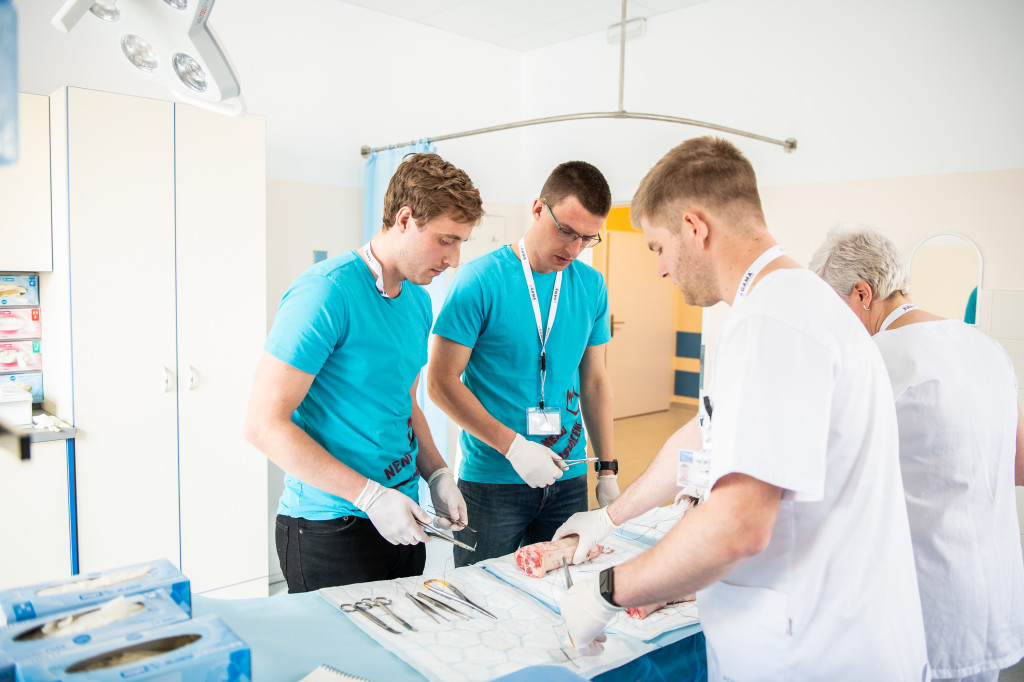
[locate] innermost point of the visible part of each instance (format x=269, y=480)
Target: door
x=639, y=357
x=222, y=291
x=120, y=180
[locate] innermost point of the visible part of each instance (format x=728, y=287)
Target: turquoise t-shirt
x=365, y=351
x=488, y=309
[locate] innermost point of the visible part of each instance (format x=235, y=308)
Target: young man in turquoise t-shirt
x=518, y=363
x=333, y=402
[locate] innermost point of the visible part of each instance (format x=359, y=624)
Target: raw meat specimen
x=642, y=612
x=541, y=557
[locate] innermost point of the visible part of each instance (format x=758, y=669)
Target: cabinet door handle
x=193, y=377
x=167, y=381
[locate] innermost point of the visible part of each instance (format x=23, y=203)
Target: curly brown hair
x=431, y=187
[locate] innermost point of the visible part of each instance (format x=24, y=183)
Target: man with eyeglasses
x=518, y=363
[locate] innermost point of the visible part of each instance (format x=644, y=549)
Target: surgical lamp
x=170, y=42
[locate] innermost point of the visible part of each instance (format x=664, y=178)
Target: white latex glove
x=449, y=504
x=607, y=489
x=586, y=614
x=537, y=465
x=591, y=526
x=393, y=514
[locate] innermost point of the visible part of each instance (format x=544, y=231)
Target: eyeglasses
x=567, y=235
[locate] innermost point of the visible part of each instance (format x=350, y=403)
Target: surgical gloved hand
x=591, y=526
x=586, y=614
x=449, y=505
x=607, y=489
x=393, y=514
x=538, y=466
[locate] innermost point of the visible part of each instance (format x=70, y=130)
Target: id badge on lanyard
x=693, y=469
x=541, y=420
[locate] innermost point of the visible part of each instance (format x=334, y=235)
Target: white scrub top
x=956, y=402
x=801, y=400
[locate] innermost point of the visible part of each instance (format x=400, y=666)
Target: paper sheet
x=480, y=648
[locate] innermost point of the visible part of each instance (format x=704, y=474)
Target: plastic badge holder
x=203, y=648
x=35, y=601
x=20, y=323
x=18, y=289
x=24, y=641
x=26, y=381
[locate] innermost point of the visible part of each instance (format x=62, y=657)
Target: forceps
x=568, y=576
x=449, y=591
x=441, y=605
x=365, y=610
x=570, y=462
x=435, y=533
x=426, y=609
x=384, y=602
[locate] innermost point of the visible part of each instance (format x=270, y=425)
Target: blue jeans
x=507, y=516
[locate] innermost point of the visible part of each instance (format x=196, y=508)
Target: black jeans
x=315, y=554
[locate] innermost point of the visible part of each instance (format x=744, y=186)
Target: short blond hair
x=431, y=187
x=705, y=170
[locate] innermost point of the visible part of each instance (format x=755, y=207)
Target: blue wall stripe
x=687, y=344
x=687, y=384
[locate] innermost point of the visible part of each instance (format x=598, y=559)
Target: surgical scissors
x=365, y=610
x=384, y=602
x=449, y=591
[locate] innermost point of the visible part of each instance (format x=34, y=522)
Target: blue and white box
x=66, y=632
x=35, y=601
x=203, y=648
x=27, y=381
x=19, y=289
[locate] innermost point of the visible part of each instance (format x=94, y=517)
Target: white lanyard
x=376, y=269
x=544, y=334
x=754, y=270
x=897, y=314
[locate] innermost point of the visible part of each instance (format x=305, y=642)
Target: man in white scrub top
x=961, y=440
x=801, y=554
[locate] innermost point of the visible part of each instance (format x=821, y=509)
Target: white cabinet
x=25, y=192
x=35, y=535
x=165, y=241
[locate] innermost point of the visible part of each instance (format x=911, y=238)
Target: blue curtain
x=376, y=176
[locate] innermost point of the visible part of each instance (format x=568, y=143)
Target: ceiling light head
x=189, y=71
x=169, y=41
x=140, y=53
x=107, y=11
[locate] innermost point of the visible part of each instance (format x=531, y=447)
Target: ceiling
x=521, y=25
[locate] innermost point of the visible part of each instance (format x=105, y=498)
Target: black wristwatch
x=606, y=584
x=605, y=466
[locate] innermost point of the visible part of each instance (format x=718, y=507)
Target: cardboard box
x=15, y=405
x=20, y=356
x=18, y=289
x=199, y=649
x=20, y=323
x=35, y=601
x=27, y=381
x=24, y=641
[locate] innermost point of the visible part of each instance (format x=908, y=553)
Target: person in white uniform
x=961, y=452
x=801, y=554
